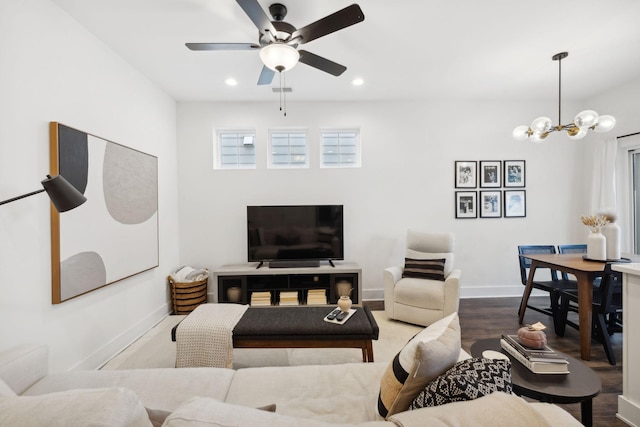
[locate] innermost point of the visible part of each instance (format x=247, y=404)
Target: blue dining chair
x=606, y=310
x=550, y=286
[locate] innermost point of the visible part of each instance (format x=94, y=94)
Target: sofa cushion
x=495, y=409
x=340, y=393
x=432, y=269
x=427, y=355
x=204, y=411
x=114, y=406
x=466, y=380
x=24, y=365
x=5, y=390
x=150, y=385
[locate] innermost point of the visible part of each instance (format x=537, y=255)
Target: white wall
x=54, y=70
x=406, y=181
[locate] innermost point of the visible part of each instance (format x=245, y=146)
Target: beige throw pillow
x=426, y=356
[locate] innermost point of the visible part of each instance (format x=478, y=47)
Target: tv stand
x=277, y=279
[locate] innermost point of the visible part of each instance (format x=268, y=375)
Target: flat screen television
x=290, y=236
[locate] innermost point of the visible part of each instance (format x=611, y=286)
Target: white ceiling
x=408, y=49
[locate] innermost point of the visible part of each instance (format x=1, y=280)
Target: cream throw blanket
x=205, y=337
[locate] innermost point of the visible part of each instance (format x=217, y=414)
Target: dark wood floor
x=490, y=317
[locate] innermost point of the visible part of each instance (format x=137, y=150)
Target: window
x=340, y=148
x=235, y=150
x=288, y=149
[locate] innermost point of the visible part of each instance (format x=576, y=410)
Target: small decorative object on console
x=533, y=336
x=345, y=303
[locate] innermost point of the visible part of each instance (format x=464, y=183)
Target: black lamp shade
x=63, y=195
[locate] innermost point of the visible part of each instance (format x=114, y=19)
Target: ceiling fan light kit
x=583, y=122
x=279, y=56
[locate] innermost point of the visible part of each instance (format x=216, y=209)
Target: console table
x=250, y=279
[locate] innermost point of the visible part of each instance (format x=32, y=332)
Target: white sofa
x=328, y=395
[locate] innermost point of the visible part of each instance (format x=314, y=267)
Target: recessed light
x=231, y=82
x=357, y=81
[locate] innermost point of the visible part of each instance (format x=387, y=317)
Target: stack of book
x=289, y=298
x=261, y=298
x=317, y=297
x=539, y=361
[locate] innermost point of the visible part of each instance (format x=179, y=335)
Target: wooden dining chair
x=551, y=286
x=606, y=310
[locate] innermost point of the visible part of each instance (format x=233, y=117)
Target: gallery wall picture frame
x=515, y=204
x=114, y=234
x=490, y=173
x=466, y=174
x=490, y=204
x=466, y=204
x=514, y=173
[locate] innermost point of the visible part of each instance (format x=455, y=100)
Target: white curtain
x=603, y=184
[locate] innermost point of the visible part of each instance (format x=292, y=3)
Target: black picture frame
x=466, y=174
x=514, y=174
x=490, y=204
x=490, y=174
x=466, y=204
x=515, y=203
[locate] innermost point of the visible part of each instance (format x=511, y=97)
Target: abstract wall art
x=114, y=235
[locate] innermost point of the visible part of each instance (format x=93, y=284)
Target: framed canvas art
x=114, y=234
x=466, y=204
x=514, y=173
x=466, y=174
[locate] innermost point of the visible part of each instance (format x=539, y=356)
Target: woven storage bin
x=187, y=296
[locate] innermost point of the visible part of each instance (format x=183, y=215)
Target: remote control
x=333, y=314
x=340, y=317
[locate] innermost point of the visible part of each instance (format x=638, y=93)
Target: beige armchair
x=418, y=300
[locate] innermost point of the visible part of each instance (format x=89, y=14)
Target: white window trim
x=358, y=154
x=217, y=149
x=303, y=131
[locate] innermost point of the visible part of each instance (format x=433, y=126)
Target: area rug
x=156, y=350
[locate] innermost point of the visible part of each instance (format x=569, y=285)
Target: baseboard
x=105, y=353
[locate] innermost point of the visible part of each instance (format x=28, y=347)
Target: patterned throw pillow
x=467, y=380
x=424, y=268
x=428, y=354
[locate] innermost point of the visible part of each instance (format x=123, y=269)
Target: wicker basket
x=187, y=296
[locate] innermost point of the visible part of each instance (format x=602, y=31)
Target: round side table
x=580, y=385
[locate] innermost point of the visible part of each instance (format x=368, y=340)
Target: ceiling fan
x=278, y=40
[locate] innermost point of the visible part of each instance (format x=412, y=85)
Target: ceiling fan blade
x=256, y=13
x=322, y=64
x=336, y=21
x=266, y=76
x=222, y=46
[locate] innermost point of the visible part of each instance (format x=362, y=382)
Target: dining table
x=585, y=271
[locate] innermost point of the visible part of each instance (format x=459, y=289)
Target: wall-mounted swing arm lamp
x=63, y=195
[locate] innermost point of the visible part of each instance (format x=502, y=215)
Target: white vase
x=596, y=246
x=611, y=232
x=344, y=303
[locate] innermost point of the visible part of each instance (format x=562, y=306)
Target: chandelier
x=542, y=126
